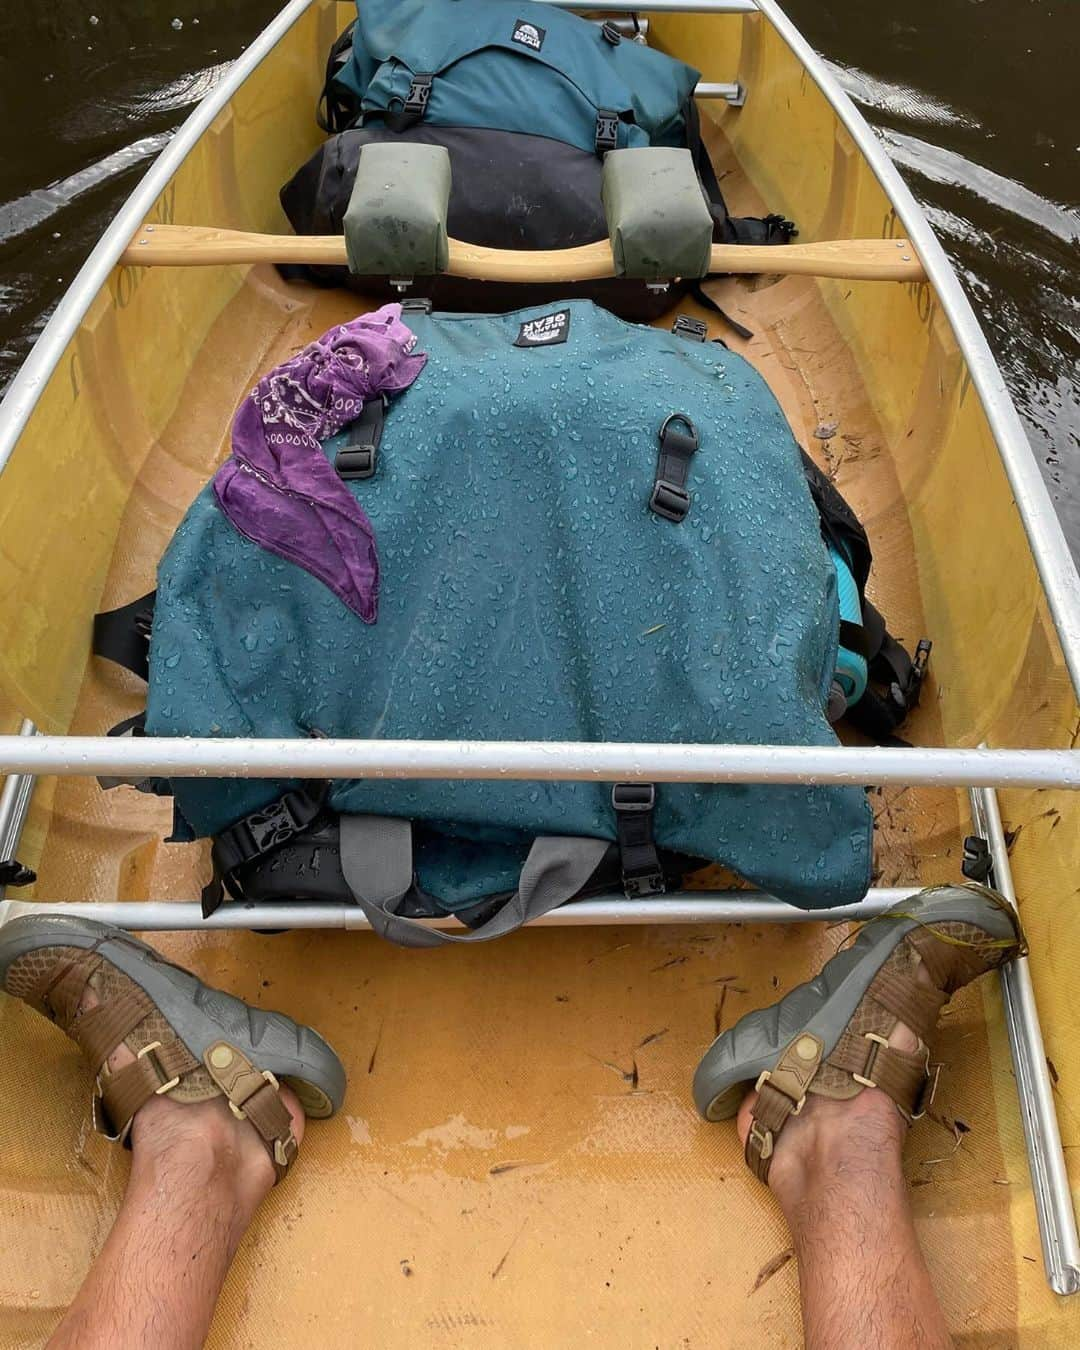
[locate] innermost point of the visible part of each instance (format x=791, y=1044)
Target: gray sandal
x=829, y=1037
x=190, y=1041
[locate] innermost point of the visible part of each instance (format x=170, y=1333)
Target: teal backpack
x=603, y=537
x=520, y=68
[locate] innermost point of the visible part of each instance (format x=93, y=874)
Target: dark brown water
x=975, y=99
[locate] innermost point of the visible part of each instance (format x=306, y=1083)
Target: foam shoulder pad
x=659, y=223
x=395, y=223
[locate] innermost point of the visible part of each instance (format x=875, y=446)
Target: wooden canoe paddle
x=197, y=246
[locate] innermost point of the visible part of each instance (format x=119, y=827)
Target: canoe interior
x=518, y=1157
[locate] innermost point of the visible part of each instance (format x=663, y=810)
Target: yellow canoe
x=518, y=1162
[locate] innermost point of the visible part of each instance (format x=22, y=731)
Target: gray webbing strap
x=377, y=863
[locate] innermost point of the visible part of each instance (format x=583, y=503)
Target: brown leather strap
x=157, y=1069
x=915, y=1004
x=60, y=990
x=781, y=1094
x=949, y=964
x=103, y=1028
x=253, y=1095
x=904, y=1076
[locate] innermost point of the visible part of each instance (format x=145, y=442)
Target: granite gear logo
x=546, y=331
x=528, y=35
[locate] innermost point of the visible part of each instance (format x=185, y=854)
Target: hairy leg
x=197, y=1177
x=838, y=1177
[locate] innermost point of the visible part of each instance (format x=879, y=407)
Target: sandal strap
x=102, y=1029
x=915, y=1004
x=254, y=1094
x=60, y=990
x=781, y=1094
x=156, y=1070
x=902, y=1075
x=950, y=965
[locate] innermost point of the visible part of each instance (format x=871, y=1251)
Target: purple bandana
x=279, y=489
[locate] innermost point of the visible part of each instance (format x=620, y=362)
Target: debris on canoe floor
x=769, y=1269
x=652, y=1036
x=825, y=431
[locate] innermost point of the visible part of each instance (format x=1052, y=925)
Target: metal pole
x=1049, y=1177
x=14, y=805
x=680, y=907
x=195, y=757
x=734, y=93
x=659, y=6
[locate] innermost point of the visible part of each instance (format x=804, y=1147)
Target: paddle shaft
x=199, y=246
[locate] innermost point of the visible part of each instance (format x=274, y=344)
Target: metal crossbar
x=195, y=757
x=659, y=6
x=677, y=907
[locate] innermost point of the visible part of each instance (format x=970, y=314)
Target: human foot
x=176, y=1062
x=855, y=1036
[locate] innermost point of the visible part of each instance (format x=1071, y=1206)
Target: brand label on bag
x=528, y=35
x=546, y=331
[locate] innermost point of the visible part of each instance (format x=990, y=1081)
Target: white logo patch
x=528, y=35
x=545, y=331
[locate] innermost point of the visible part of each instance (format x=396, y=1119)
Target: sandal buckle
x=165, y=1086
x=285, y=1150
x=98, y=1118
x=925, y=1099
x=763, y=1139
x=765, y=1076
x=871, y=1059
x=238, y=1111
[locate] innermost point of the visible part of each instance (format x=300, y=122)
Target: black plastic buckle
x=642, y=874
x=607, y=130
x=669, y=501
x=670, y=498
x=358, y=458
x=274, y=824
x=913, y=687
x=611, y=33
x=355, y=461
x=14, y=873
x=633, y=797
x=694, y=330
x=977, y=862
x=419, y=93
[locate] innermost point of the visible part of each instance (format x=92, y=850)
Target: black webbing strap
x=123, y=635
x=670, y=498
x=900, y=676
x=702, y=162
x=159, y=787
x=634, y=805
x=704, y=299
x=257, y=834
x=607, y=131
x=415, y=105
x=357, y=459
x=338, y=108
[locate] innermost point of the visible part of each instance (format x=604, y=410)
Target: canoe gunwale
x=1053, y=559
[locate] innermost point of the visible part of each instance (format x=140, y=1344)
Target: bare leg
x=197, y=1177
x=838, y=1178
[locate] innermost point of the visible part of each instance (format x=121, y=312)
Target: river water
x=974, y=99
